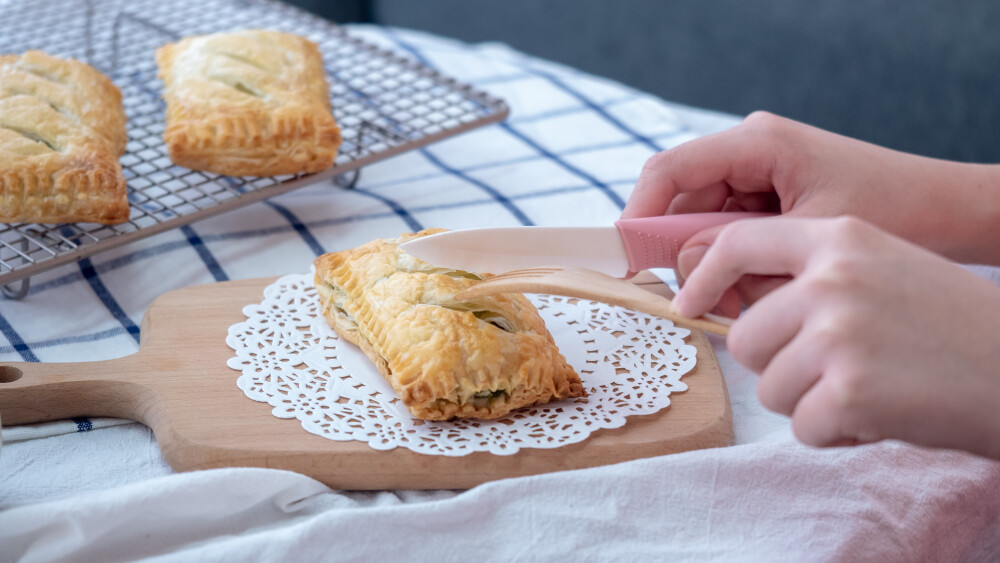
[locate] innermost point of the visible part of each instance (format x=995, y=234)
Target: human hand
x=873, y=337
x=769, y=163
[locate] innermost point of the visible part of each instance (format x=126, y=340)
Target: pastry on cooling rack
x=444, y=358
x=62, y=129
x=248, y=103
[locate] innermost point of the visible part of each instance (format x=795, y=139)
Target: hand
x=769, y=163
x=873, y=337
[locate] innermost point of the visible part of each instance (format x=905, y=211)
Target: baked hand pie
x=445, y=358
x=62, y=130
x=247, y=103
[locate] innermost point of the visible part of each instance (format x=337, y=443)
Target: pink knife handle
x=654, y=242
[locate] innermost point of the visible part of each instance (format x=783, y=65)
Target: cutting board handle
x=40, y=392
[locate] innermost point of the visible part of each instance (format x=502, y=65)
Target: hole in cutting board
x=9, y=374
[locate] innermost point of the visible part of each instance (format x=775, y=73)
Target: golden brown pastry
x=247, y=103
x=444, y=358
x=62, y=129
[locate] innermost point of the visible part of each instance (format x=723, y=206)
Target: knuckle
x=847, y=232
x=838, y=273
x=835, y=333
x=767, y=125
x=835, y=278
x=729, y=235
x=763, y=120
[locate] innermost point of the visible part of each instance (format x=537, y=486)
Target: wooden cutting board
x=179, y=385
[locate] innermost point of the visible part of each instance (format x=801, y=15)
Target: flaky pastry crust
x=444, y=358
x=62, y=130
x=247, y=103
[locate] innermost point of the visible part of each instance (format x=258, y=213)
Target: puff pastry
x=62, y=129
x=444, y=358
x=247, y=103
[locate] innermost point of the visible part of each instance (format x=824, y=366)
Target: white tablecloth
x=99, y=490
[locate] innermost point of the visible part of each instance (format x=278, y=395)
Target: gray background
x=916, y=75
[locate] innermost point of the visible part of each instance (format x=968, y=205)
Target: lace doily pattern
x=291, y=359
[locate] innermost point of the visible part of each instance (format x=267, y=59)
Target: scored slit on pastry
x=444, y=358
x=248, y=103
x=62, y=130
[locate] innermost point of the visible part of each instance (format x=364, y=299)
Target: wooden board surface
x=179, y=385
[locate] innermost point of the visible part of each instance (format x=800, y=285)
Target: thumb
x=694, y=249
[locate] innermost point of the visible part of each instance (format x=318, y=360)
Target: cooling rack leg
x=17, y=294
x=348, y=180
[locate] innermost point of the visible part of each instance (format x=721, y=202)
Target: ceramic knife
x=621, y=250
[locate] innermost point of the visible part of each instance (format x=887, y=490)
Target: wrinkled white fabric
x=774, y=500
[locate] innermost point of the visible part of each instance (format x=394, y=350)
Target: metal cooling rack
x=385, y=104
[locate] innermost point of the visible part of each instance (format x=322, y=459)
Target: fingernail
x=689, y=258
x=678, y=304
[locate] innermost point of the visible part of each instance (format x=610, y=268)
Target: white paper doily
x=291, y=359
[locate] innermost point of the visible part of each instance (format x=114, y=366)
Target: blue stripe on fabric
x=17, y=343
x=501, y=79
x=83, y=424
x=204, y=254
x=614, y=197
x=554, y=80
x=90, y=274
x=405, y=45
x=93, y=337
x=398, y=209
x=311, y=241
x=562, y=112
x=507, y=162
x=499, y=197
x=171, y=246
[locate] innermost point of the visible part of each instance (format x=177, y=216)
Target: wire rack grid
x=385, y=104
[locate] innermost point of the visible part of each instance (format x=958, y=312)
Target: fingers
x=749, y=289
x=794, y=368
x=780, y=339
x=773, y=246
x=752, y=288
x=721, y=197
x=765, y=330
x=706, y=200
x=757, y=202
x=735, y=157
x=818, y=418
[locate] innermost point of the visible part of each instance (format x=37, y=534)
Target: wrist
x=951, y=208
x=974, y=222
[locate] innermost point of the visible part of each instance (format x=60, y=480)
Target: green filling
x=490, y=395
x=499, y=321
x=31, y=135
x=240, y=87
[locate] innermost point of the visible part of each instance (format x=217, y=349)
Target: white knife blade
x=628, y=247
x=502, y=249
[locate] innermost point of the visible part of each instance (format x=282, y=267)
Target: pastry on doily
x=444, y=358
x=62, y=130
x=248, y=103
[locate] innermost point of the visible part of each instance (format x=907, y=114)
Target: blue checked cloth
x=568, y=155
